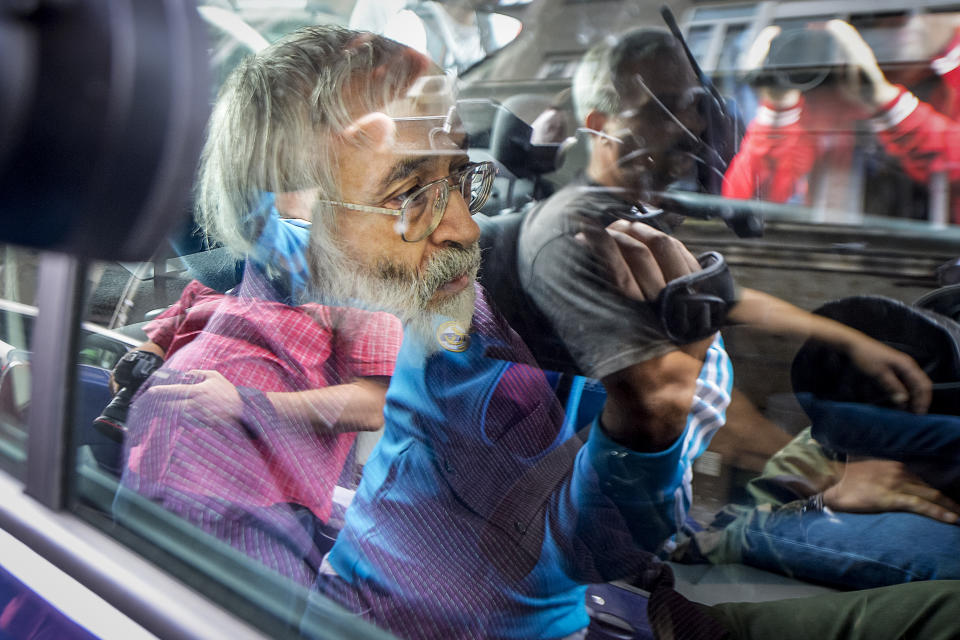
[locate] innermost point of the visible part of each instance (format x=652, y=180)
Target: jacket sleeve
x=947, y=65
x=923, y=140
x=775, y=156
x=624, y=505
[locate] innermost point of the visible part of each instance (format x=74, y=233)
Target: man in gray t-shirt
x=642, y=106
x=571, y=284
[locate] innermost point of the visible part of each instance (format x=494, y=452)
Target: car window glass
x=266, y=407
x=17, y=319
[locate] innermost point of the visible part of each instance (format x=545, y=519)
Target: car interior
x=99, y=239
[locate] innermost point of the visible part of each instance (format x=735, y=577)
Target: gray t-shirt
x=603, y=330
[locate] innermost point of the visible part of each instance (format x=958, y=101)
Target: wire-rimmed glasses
x=421, y=211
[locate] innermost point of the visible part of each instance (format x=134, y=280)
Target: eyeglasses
x=421, y=211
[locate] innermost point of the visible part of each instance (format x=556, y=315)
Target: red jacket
x=782, y=146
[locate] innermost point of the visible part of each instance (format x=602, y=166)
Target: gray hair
x=592, y=87
x=602, y=80
x=276, y=115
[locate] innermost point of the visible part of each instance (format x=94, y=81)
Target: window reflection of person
x=801, y=144
x=453, y=33
x=623, y=92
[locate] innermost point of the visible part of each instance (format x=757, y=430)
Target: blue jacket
x=481, y=514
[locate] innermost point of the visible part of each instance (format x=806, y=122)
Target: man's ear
x=296, y=204
x=595, y=120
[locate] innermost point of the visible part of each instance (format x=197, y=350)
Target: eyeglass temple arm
x=363, y=207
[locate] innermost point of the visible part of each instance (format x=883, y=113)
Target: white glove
x=753, y=60
x=865, y=81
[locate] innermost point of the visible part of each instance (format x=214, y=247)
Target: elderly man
x=480, y=514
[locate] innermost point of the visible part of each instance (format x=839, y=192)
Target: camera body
x=800, y=59
x=130, y=373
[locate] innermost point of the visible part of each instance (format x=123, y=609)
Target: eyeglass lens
x=423, y=211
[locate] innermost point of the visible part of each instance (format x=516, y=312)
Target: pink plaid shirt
x=259, y=345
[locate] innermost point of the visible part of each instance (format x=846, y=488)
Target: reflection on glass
x=260, y=371
x=835, y=504
x=714, y=13
x=734, y=44
x=456, y=35
x=845, y=127
x=699, y=39
x=18, y=274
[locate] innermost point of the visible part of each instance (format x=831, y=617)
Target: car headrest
x=510, y=144
x=102, y=109
x=499, y=277
x=493, y=126
x=933, y=340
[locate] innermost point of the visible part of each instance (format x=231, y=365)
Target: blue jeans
x=928, y=445
x=852, y=550
x=848, y=550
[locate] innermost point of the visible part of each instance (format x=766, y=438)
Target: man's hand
x=211, y=396
x=897, y=372
x=641, y=259
x=874, y=486
x=647, y=403
x=150, y=347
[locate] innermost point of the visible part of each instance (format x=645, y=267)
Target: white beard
x=457, y=308
x=406, y=293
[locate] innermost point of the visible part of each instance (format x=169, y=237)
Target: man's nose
x=457, y=225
